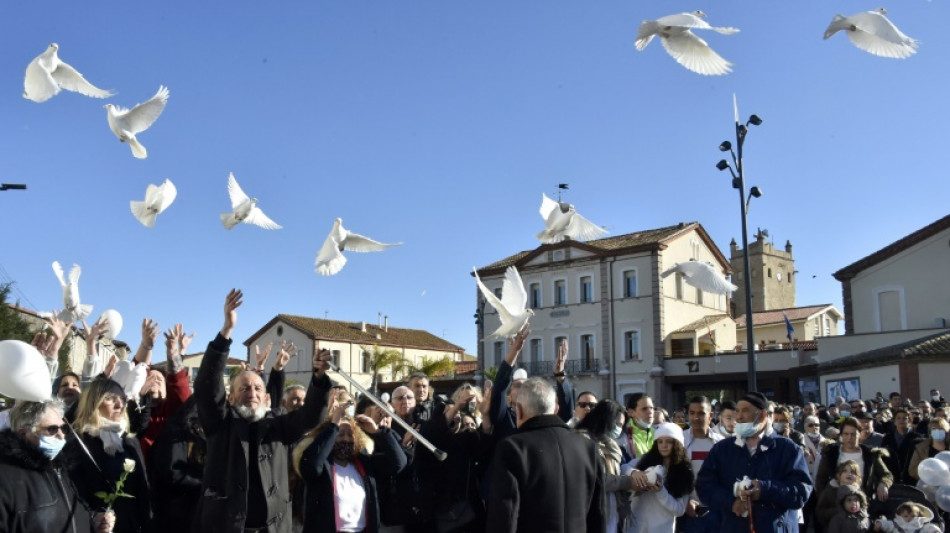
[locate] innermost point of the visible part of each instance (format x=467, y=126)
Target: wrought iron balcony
x=572, y=367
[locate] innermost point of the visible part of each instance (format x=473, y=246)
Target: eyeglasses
x=587, y=405
x=53, y=430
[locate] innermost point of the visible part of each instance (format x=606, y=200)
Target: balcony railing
x=572, y=367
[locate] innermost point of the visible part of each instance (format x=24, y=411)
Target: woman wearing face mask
x=36, y=495
x=939, y=441
x=340, y=462
x=604, y=425
x=102, y=422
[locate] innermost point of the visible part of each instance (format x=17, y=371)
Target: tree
x=490, y=373
x=432, y=367
x=12, y=324
x=379, y=360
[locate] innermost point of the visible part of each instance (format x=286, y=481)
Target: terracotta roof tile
x=338, y=330
x=610, y=245
x=892, y=249
x=701, y=323
x=777, y=316
x=936, y=346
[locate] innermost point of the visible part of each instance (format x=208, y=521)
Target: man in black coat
x=239, y=495
x=545, y=478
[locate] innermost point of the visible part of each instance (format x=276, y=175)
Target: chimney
x=363, y=327
x=386, y=323
x=379, y=320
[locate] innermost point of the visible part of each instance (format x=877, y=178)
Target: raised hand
x=149, y=334
x=561, y=358
x=260, y=356
x=231, y=303
x=286, y=352
x=367, y=424
x=149, y=381
x=59, y=329
x=517, y=343
x=320, y=365
x=110, y=366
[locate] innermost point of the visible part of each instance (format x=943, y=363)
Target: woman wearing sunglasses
x=36, y=494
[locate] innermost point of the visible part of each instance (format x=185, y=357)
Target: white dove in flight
x=703, y=276
x=512, y=308
x=872, y=32
x=681, y=43
x=244, y=209
x=561, y=220
x=127, y=123
x=157, y=199
x=47, y=74
x=72, y=311
x=330, y=259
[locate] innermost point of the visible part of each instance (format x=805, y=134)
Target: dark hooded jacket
x=36, y=494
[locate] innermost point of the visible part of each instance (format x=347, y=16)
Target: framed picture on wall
x=847, y=388
x=809, y=389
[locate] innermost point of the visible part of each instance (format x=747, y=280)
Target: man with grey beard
x=245, y=485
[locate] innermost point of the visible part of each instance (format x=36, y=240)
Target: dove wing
x=683, y=20
x=503, y=314
x=153, y=195
x=236, y=192
x=58, y=270
x=705, y=277
x=547, y=206
x=140, y=117
x=694, y=54
x=645, y=33
x=582, y=229
x=329, y=250
x=168, y=192
x=258, y=218
x=513, y=295
x=38, y=85
x=355, y=242
x=877, y=35
x=74, y=274
x=71, y=80
x=673, y=269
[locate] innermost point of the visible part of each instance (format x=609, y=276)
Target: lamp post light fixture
x=738, y=182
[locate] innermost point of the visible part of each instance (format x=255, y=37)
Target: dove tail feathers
x=141, y=213
x=331, y=267
x=137, y=149
x=228, y=220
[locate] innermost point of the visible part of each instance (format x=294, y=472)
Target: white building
x=897, y=314
x=606, y=297
x=350, y=344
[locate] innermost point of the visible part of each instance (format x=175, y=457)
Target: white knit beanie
x=668, y=429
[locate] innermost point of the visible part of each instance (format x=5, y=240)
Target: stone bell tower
x=773, y=275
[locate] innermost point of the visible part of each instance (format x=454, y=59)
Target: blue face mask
x=745, y=430
x=845, y=414
x=938, y=434
x=615, y=432
x=643, y=424
x=51, y=446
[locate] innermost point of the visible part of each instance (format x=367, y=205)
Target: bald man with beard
x=245, y=486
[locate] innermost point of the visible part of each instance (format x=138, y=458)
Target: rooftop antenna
x=561, y=187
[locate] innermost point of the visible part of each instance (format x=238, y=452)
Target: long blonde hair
x=362, y=442
x=88, y=419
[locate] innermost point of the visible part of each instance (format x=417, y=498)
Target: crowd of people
x=132, y=448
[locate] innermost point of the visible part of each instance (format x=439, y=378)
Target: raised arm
x=564, y=389
x=499, y=394
x=294, y=425
x=277, y=379
x=209, y=389
x=149, y=334
x=93, y=365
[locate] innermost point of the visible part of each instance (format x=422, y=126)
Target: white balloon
x=943, y=498
x=23, y=372
x=945, y=457
x=115, y=323
x=929, y=491
x=933, y=471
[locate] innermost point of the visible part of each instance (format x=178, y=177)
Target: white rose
x=129, y=466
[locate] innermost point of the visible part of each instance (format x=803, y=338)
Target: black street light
x=738, y=182
x=12, y=187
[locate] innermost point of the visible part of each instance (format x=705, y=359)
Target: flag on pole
x=788, y=328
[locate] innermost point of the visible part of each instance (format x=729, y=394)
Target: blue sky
x=439, y=124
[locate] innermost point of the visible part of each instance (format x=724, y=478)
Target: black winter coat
x=177, y=466
x=36, y=495
x=317, y=471
x=546, y=478
x=224, y=489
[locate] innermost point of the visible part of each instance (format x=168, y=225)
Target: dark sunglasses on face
x=53, y=430
x=587, y=405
